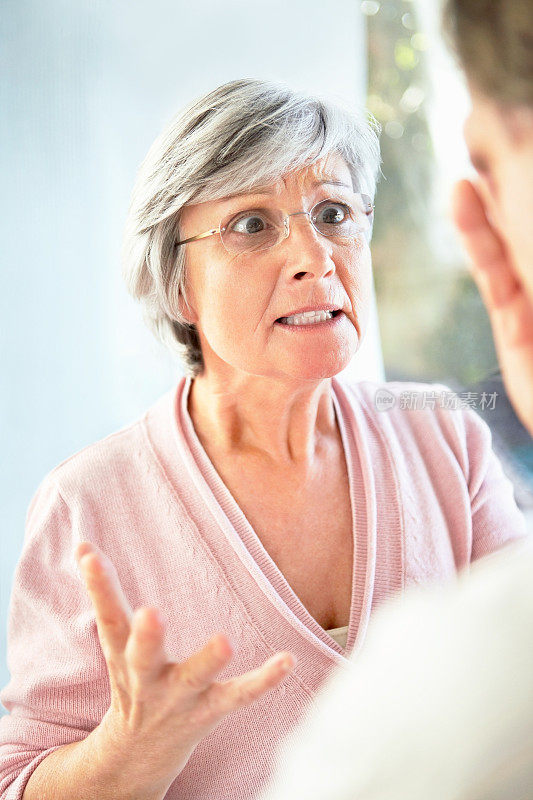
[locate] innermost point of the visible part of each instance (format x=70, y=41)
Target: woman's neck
x=287, y=423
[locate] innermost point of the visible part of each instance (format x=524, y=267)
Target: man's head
x=493, y=41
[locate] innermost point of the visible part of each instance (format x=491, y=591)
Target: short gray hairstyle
x=245, y=134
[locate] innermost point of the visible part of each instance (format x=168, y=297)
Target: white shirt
x=439, y=704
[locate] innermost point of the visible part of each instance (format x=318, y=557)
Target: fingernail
x=84, y=556
x=83, y=551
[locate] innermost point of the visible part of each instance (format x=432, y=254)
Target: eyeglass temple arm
x=198, y=236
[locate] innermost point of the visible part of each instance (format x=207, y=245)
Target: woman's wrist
x=90, y=768
x=122, y=767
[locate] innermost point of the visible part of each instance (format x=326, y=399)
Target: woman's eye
x=333, y=214
x=249, y=225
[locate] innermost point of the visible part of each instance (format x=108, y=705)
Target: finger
x=492, y=268
x=82, y=549
x=145, y=650
x=112, y=610
x=200, y=670
x=508, y=306
x=242, y=691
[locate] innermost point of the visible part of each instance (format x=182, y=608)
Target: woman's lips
x=307, y=326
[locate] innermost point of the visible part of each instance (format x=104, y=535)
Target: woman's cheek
x=361, y=282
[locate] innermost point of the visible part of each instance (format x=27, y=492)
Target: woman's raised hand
x=160, y=709
x=509, y=307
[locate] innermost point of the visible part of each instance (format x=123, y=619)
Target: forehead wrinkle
x=254, y=192
x=272, y=191
x=318, y=173
x=329, y=170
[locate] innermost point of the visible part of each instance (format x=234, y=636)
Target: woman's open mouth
x=311, y=319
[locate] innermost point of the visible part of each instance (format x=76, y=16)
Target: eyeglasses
x=259, y=229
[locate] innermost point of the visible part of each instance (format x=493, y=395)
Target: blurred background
x=85, y=89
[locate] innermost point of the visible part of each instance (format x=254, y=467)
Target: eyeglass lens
x=259, y=229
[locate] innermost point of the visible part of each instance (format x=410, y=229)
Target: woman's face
x=235, y=300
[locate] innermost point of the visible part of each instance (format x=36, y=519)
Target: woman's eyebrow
x=268, y=190
x=259, y=190
x=333, y=182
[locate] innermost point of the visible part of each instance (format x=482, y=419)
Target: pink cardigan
x=428, y=497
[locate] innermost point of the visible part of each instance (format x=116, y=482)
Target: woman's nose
x=307, y=250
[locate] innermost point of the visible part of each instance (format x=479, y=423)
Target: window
x=434, y=326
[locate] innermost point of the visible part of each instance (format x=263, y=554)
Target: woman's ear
x=187, y=312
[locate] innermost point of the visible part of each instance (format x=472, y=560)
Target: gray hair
x=244, y=134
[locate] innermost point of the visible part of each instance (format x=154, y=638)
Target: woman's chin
x=308, y=362
x=315, y=366
x=320, y=359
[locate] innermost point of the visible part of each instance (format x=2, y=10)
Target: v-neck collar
x=249, y=547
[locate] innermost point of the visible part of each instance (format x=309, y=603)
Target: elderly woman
x=232, y=542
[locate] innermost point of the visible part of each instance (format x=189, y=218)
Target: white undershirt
x=340, y=635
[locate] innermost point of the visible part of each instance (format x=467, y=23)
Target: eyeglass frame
x=220, y=230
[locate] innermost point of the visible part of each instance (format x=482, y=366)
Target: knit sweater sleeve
x=465, y=438
x=446, y=448
x=496, y=520
x=54, y=658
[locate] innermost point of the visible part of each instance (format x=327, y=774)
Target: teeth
x=307, y=317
